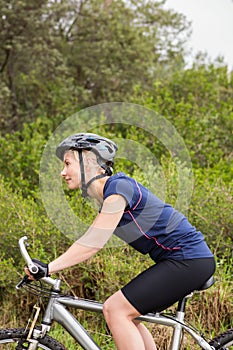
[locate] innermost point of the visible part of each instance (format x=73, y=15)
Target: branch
x=7, y=51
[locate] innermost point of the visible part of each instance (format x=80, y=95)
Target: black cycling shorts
x=166, y=282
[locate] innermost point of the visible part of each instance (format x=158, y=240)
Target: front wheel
x=15, y=338
x=223, y=341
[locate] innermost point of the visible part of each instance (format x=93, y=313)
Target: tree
x=55, y=55
x=198, y=102
x=114, y=45
x=30, y=62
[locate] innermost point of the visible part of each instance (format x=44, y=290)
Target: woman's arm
x=74, y=255
x=95, y=237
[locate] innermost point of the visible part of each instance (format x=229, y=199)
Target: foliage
x=123, y=45
x=31, y=63
x=20, y=217
x=21, y=154
x=198, y=102
x=211, y=211
x=58, y=55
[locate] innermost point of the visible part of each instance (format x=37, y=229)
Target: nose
x=63, y=172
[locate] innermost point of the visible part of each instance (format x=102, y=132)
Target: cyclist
x=182, y=259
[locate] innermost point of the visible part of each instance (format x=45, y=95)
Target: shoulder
x=119, y=183
x=114, y=204
x=125, y=186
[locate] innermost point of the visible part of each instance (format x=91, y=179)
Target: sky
x=212, y=26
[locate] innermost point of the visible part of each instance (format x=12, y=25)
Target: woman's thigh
x=166, y=282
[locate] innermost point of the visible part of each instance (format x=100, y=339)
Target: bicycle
x=35, y=336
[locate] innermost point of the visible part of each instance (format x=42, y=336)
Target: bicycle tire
x=15, y=338
x=223, y=341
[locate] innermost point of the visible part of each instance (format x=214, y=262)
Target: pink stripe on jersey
x=154, y=238
x=140, y=196
x=139, y=227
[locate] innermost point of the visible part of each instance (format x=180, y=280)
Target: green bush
x=198, y=102
x=211, y=210
x=23, y=217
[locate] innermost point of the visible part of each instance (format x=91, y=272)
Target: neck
x=96, y=189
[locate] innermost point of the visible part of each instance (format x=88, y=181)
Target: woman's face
x=71, y=171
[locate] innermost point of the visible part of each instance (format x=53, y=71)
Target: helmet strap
x=107, y=168
x=96, y=178
x=108, y=172
x=84, y=186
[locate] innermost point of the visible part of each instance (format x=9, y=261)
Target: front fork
x=34, y=334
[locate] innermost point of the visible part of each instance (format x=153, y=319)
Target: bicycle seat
x=207, y=284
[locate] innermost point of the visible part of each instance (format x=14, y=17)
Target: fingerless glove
x=43, y=269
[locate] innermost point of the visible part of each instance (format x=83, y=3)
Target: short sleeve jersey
x=152, y=226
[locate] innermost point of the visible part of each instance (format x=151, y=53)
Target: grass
x=97, y=330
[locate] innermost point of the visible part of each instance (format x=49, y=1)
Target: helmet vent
x=109, y=149
x=93, y=140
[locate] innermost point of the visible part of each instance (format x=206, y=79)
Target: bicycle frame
x=56, y=311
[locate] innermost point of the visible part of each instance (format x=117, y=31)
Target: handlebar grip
x=31, y=266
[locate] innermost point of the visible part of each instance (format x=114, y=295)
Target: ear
x=90, y=161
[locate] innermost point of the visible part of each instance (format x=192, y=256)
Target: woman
x=182, y=259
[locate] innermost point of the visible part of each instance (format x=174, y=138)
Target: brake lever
x=24, y=280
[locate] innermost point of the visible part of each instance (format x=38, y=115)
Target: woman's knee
x=118, y=306
x=109, y=309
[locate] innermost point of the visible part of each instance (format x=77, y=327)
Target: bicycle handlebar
x=22, y=246
x=33, y=268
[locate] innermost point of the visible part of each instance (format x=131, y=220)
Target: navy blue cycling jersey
x=152, y=226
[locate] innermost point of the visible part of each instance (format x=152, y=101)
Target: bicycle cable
x=172, y=317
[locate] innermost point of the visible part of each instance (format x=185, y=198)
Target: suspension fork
x=34, y=334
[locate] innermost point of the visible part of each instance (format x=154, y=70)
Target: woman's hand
x=43, y=270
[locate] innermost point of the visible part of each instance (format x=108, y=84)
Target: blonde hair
x=87, y=155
